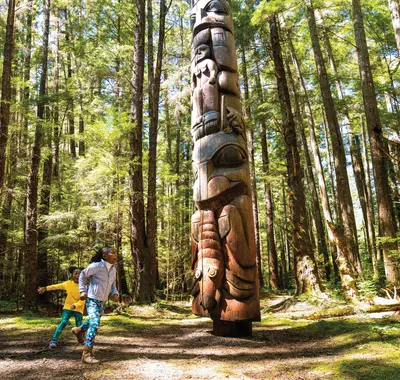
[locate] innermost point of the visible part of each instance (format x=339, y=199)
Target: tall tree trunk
x=370, y=203
x=355, y=150
x=269, y=208
x=335, y=236
x=307, y=278
x=250, y=143
x=284, y=230
x=56, y=92
x=119, y=182
x=331, y=170
x=361, y=184
x=121, y=275
x=319, y=224
x=144, y=291
x=81, y=145
x=6, y=212
x=31, y=234
x=154, y=97
x=44, y=209
x=387, y=221
x=344, y=195
x=5, y=104
x=395, y=15
x=6, y=95
x=71, y=116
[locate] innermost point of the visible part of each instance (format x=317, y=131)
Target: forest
x=96, y=150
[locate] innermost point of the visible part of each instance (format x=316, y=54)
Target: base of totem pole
x=232, y=329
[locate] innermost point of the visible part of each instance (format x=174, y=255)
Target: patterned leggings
x=95, y=310
x=65, y=316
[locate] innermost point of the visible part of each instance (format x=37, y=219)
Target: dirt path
x=187, y=351
x=181, y=348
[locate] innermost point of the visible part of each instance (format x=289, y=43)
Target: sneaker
x=53, y=344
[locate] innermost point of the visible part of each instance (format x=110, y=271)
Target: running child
x=73, y=306
x=102, y=277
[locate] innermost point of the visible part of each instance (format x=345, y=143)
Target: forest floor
x=164, y=341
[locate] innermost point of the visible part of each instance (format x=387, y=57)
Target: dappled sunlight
x=155, y=347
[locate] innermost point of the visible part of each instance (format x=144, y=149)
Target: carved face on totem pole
x=223, y=244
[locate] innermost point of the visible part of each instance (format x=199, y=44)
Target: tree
x=387, y=221
x=344, y=195
x=395, y=14
x=307, y=278
x=144, y=291
x=5, y=104
x=154, y=96
x=31, y=234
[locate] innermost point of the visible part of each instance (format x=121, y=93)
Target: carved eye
x=212, y=272
x=230, y=155
x=216, y=7
x=192, y=20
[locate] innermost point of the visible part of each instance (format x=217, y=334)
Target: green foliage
x=90, y=198
x=368, y=289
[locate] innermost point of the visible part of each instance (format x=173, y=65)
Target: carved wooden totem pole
x=223, y=243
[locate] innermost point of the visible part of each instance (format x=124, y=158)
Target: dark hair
x=99, y=254
x=73, y=269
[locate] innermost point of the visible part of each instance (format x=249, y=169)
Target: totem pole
x=225, y=284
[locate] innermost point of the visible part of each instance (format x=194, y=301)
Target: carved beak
x=208, y=301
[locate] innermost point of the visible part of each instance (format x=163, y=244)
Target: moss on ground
x=355, y=347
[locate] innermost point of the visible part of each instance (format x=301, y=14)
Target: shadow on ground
x=181, y=350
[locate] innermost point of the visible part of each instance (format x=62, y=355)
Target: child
x=102, y=275
x=73, y=306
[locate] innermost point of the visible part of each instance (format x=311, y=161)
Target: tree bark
x=144, y=292
x=44, y=209
x=154, y=79
x=6, y=95
x=319, y=224
x=56, y=91
x=370, y=203
x=250, y=144
x=71, y=116
x=344, y=195
x=335, y=236
x=5, y=104
x=355, y=151
x=307, y=278
x=395, y=15
x=31, y=234
x=268, y=200
x=387, y=221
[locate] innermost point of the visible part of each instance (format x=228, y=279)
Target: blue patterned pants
x=65, y=316
x=95, y=310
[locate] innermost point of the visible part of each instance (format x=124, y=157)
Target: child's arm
x=114, y=292
x=83, y=277
x=43, y=289
x=77, y=304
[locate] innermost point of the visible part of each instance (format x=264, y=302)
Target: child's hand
x=83, y=296
x=115, y=297
x=41, y=290
x=73, y=307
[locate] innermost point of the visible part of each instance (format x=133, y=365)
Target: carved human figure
x=204, y=85
x=223, y=243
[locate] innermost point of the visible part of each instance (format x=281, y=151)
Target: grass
x=354, y=347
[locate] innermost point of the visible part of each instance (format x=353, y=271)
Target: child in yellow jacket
x=73, y=306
